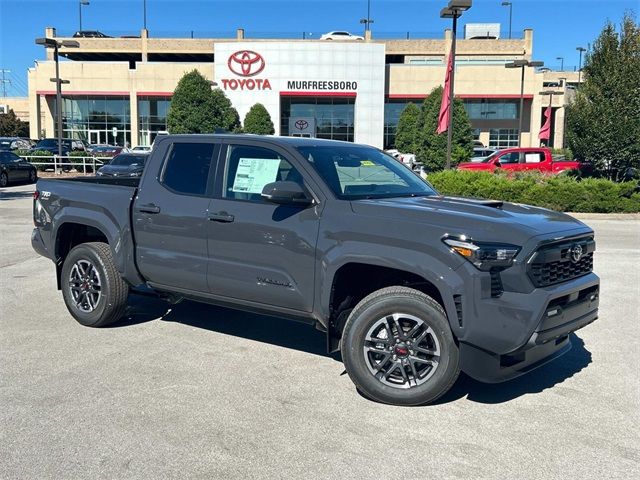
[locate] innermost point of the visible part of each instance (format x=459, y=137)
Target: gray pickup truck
x=412, y=287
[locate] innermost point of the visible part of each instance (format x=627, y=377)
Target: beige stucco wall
x=19, y=105
x=103, y=77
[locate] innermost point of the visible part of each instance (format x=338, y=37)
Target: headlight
x=135, y=174
x=484, y=256
x=99, y=173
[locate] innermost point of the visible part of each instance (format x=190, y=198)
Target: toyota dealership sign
x=264, y=72
x=245, y=64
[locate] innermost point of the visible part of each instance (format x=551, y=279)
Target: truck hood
x=476, y=166
x=485, y=220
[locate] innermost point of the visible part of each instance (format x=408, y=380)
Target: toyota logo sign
x=246, y=63
x=301, y=124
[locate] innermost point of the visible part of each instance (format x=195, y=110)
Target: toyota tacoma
x=411, y=287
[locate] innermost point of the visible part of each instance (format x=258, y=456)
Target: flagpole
x=453, y=11
x=453, y=72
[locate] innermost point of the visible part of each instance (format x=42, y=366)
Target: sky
x=559, y=25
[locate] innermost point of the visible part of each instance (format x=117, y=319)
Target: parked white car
x=339, y=35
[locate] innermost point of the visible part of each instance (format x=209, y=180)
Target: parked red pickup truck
x=521, y=159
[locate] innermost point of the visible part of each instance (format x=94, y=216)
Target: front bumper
x=494, y=356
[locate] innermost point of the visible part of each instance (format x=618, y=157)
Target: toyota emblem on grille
x=246, y=63
x=301, y=124
x=576, y=253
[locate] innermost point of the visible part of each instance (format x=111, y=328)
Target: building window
x=392, y=110
x=333, y=115
x=503, y=138
x=491, y=109
x=97, y=119
x=152, y=118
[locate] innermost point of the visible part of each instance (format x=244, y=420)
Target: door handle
x=223, y=217
x=149, y=208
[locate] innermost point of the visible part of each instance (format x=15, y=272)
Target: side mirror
x=286, y=193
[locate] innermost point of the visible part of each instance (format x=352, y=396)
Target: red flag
x=443, y=118
x=545, y=131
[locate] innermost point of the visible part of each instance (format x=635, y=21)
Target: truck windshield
x=359, y=172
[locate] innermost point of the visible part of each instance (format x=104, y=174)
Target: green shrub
x=560, y=192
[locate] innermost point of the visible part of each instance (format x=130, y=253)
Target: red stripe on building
x=154, y=94
x=460, y=95
x=317, y=94
x=67, y=93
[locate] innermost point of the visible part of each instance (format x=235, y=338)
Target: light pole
x=521, y=64
x=510, y=5
x=52, y=43
x=550, y=93
x=367, y=21
x=80, y=4
x=454, y=11
x=561, y=63
x=580, y=49
x=144, y=13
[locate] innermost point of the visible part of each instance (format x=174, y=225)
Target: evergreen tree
x=12, y=126
x=409, y=129
x=432, y=149
x=258, y=121
x=603, y=121
x=195, y=108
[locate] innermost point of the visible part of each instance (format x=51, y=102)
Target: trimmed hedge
x=560, y=192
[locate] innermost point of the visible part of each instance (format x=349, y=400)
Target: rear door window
x=187, y=168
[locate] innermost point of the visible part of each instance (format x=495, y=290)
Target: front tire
x=4, y=180
x=92, y=288
x=33, y=176
x=398, y=348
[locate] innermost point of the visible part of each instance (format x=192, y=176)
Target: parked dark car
x=8, y=144
x=90, y=34
x=106, y=150
x=411, y=286
x=15, y=169
x=124, y=165
x=51, y=145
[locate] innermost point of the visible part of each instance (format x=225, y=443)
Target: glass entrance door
x=97, y=137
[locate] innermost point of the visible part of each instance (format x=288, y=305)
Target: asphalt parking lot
x=200, y=391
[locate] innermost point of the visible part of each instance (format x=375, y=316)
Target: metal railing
x=60, y=163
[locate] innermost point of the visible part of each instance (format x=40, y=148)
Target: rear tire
x=398, y=348
x=33, y=176
x=93, y=290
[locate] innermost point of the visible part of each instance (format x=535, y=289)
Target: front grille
x=553, y=263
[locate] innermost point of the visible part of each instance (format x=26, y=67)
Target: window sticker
x=254, y=173
x=532, y=158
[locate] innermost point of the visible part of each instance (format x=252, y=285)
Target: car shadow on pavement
x=261, y=328
x=299, y=336
x=15, y=195
x=547, y=376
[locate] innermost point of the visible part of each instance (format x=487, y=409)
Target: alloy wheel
x=85, y=285
x=401, y=350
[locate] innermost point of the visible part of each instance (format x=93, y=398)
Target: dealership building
x=120, y=89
